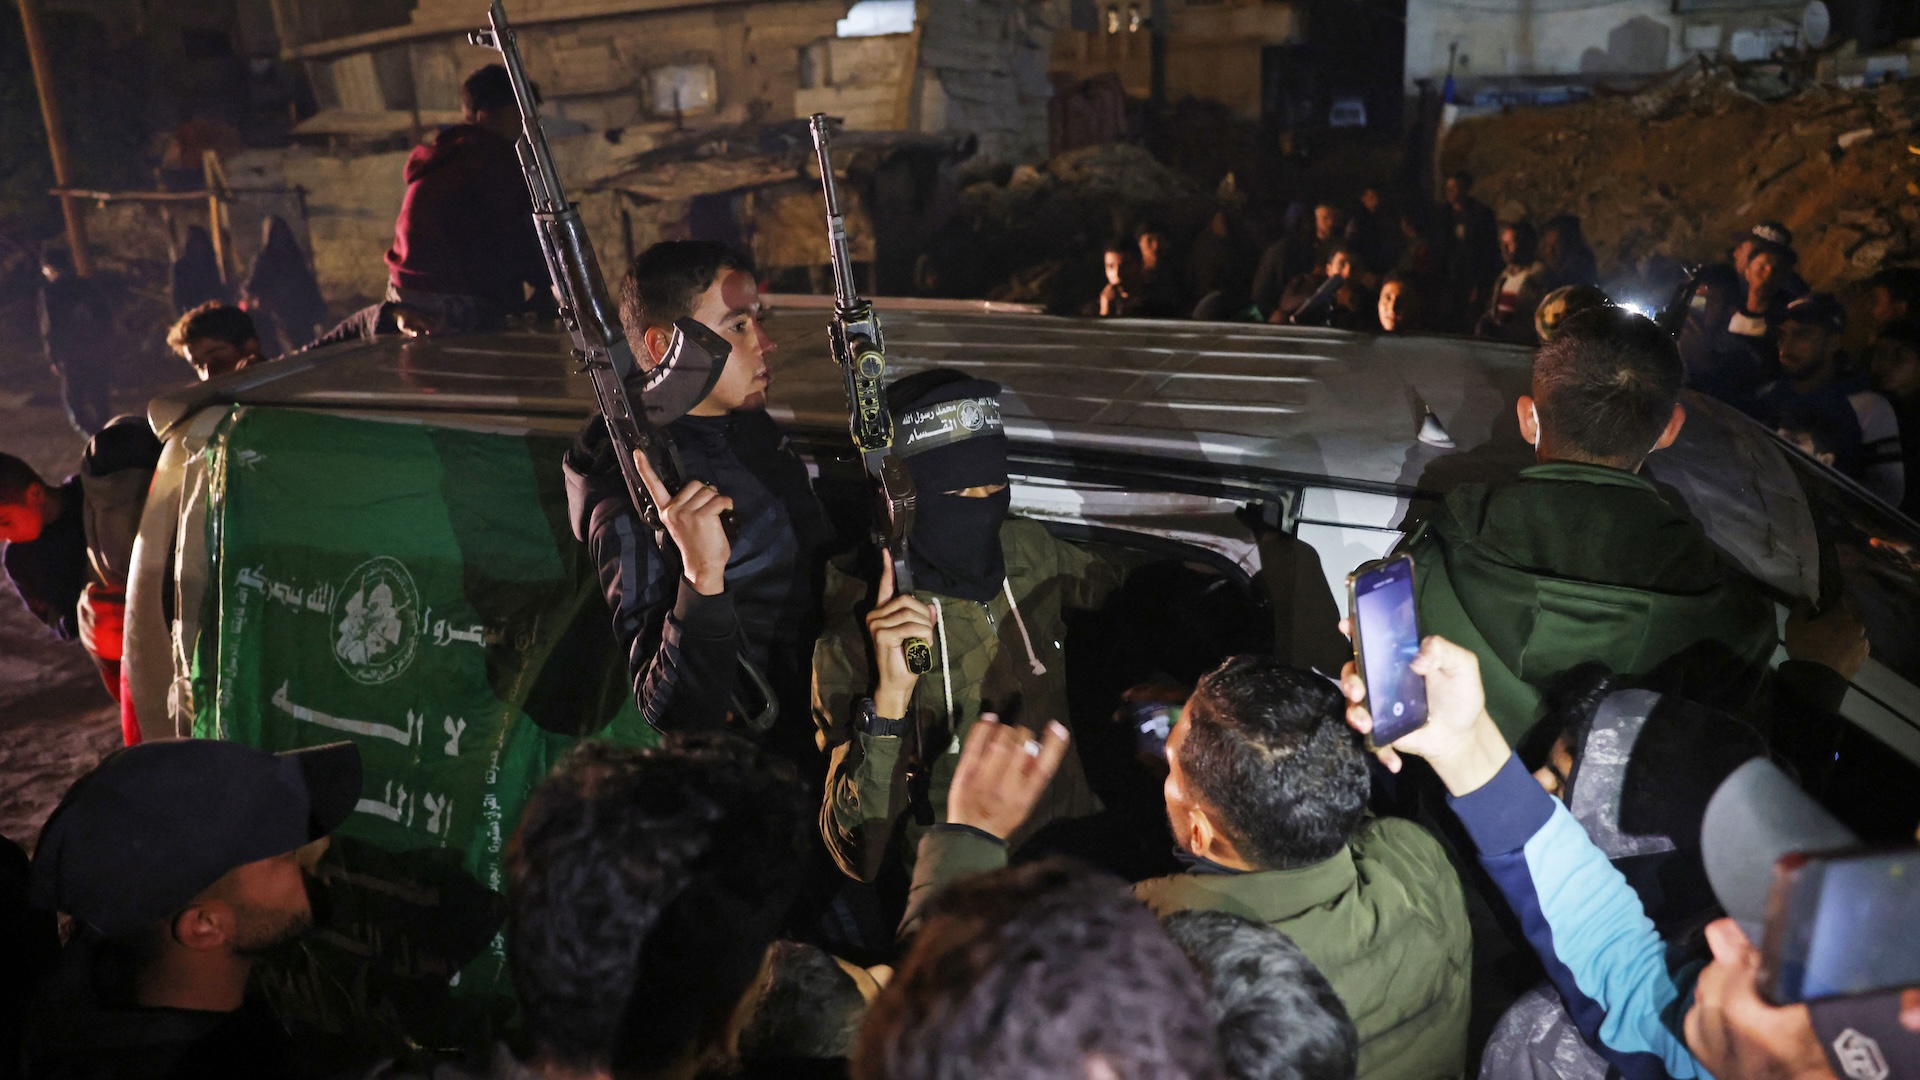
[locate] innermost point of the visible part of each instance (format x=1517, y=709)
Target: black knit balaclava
x=947, y=428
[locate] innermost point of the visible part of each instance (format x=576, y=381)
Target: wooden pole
x=210, y=165
x=56, y=134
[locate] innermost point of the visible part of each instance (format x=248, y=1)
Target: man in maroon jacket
x=464, y=246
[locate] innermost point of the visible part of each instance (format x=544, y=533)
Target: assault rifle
x=591, y=318
x=857, y=347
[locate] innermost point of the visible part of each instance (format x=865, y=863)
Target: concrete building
x=1486, y=43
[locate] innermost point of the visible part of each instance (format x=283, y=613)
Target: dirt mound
x=1680, y=167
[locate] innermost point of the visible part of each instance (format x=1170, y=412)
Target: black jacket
x=682, y=647
x=84, y=1027
x=50, y=571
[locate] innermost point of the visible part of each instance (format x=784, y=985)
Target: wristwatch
x=874, y=724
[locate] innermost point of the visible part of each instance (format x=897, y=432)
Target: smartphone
x=1386, y=638
x=1152, y=723
x=1842, y=923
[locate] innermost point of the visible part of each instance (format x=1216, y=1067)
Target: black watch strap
x=874, y=724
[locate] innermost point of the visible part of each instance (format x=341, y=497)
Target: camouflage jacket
x=982, y=652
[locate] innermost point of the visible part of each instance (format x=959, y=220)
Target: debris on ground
x=1680, y=167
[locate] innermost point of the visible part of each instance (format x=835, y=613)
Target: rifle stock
x=593, y=321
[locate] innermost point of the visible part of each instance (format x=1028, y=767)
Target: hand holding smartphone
x=1842, y=924
x=1386, y=638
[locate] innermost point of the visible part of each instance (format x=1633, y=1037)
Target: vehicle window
x=1877, y=555
x=1176, y=617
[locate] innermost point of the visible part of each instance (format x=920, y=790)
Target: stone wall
x=983, y=69
x=1583, y=37
x=352, y=200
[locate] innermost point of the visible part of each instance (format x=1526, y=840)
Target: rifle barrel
x=837, y=251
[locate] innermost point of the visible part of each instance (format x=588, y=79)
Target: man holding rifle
x=991, y=589
x=689, y=604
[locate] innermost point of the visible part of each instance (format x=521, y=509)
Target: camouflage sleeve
x=865, y=791
x=947, y=854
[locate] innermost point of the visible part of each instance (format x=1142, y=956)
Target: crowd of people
x=901, y=878
x=1752, y=331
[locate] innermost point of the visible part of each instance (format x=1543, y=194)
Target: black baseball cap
x=153, y=825
x=1818, y=309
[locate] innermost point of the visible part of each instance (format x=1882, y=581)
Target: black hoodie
x=683, y=647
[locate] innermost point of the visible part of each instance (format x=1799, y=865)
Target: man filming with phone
x=688, y=604
x=1266, y=792
x=1605, y=957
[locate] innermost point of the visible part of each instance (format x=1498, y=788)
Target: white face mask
x=1535, y=411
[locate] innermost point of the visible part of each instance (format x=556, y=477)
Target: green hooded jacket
x=981, y=651
x=1385, y=921
x=1573, y=563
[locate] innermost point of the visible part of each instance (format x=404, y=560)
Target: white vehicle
x=370, y=542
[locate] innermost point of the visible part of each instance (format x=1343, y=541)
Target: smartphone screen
x=1387, y=636
x=1848, y=926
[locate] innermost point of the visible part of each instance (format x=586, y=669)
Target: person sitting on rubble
x=464, y=245
x=1566, y=255
x=1472, y=249
x=1814, y=376
x=1895, y=372
x=1763, y=260
x=1220, y=267
x=1124, y=294
x=1518, y=289
x=1771, y=236
x=1163, y=295
x=1301, y=251
x=1371, y=233
x=1402, y=304
x=216, y=339
x=1896, y=296
x=1331, y=295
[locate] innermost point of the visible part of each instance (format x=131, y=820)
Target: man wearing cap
x=687, y=606
x=1813, y=378
x=989, y=590
x=1591, y=933
x=1763, y=261
x=181, y=862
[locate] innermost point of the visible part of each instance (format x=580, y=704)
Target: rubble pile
x=1678, y=168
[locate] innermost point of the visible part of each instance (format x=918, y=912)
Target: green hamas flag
x=416, y=590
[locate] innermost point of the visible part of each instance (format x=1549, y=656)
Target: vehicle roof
x=1226, y=395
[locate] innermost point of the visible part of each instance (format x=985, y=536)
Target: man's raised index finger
x=656, y=490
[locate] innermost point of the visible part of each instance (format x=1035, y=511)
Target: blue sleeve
x=1583, y=920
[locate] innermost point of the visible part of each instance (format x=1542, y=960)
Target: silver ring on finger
x=1032, y=748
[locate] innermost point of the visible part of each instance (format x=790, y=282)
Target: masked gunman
x=990, y=592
